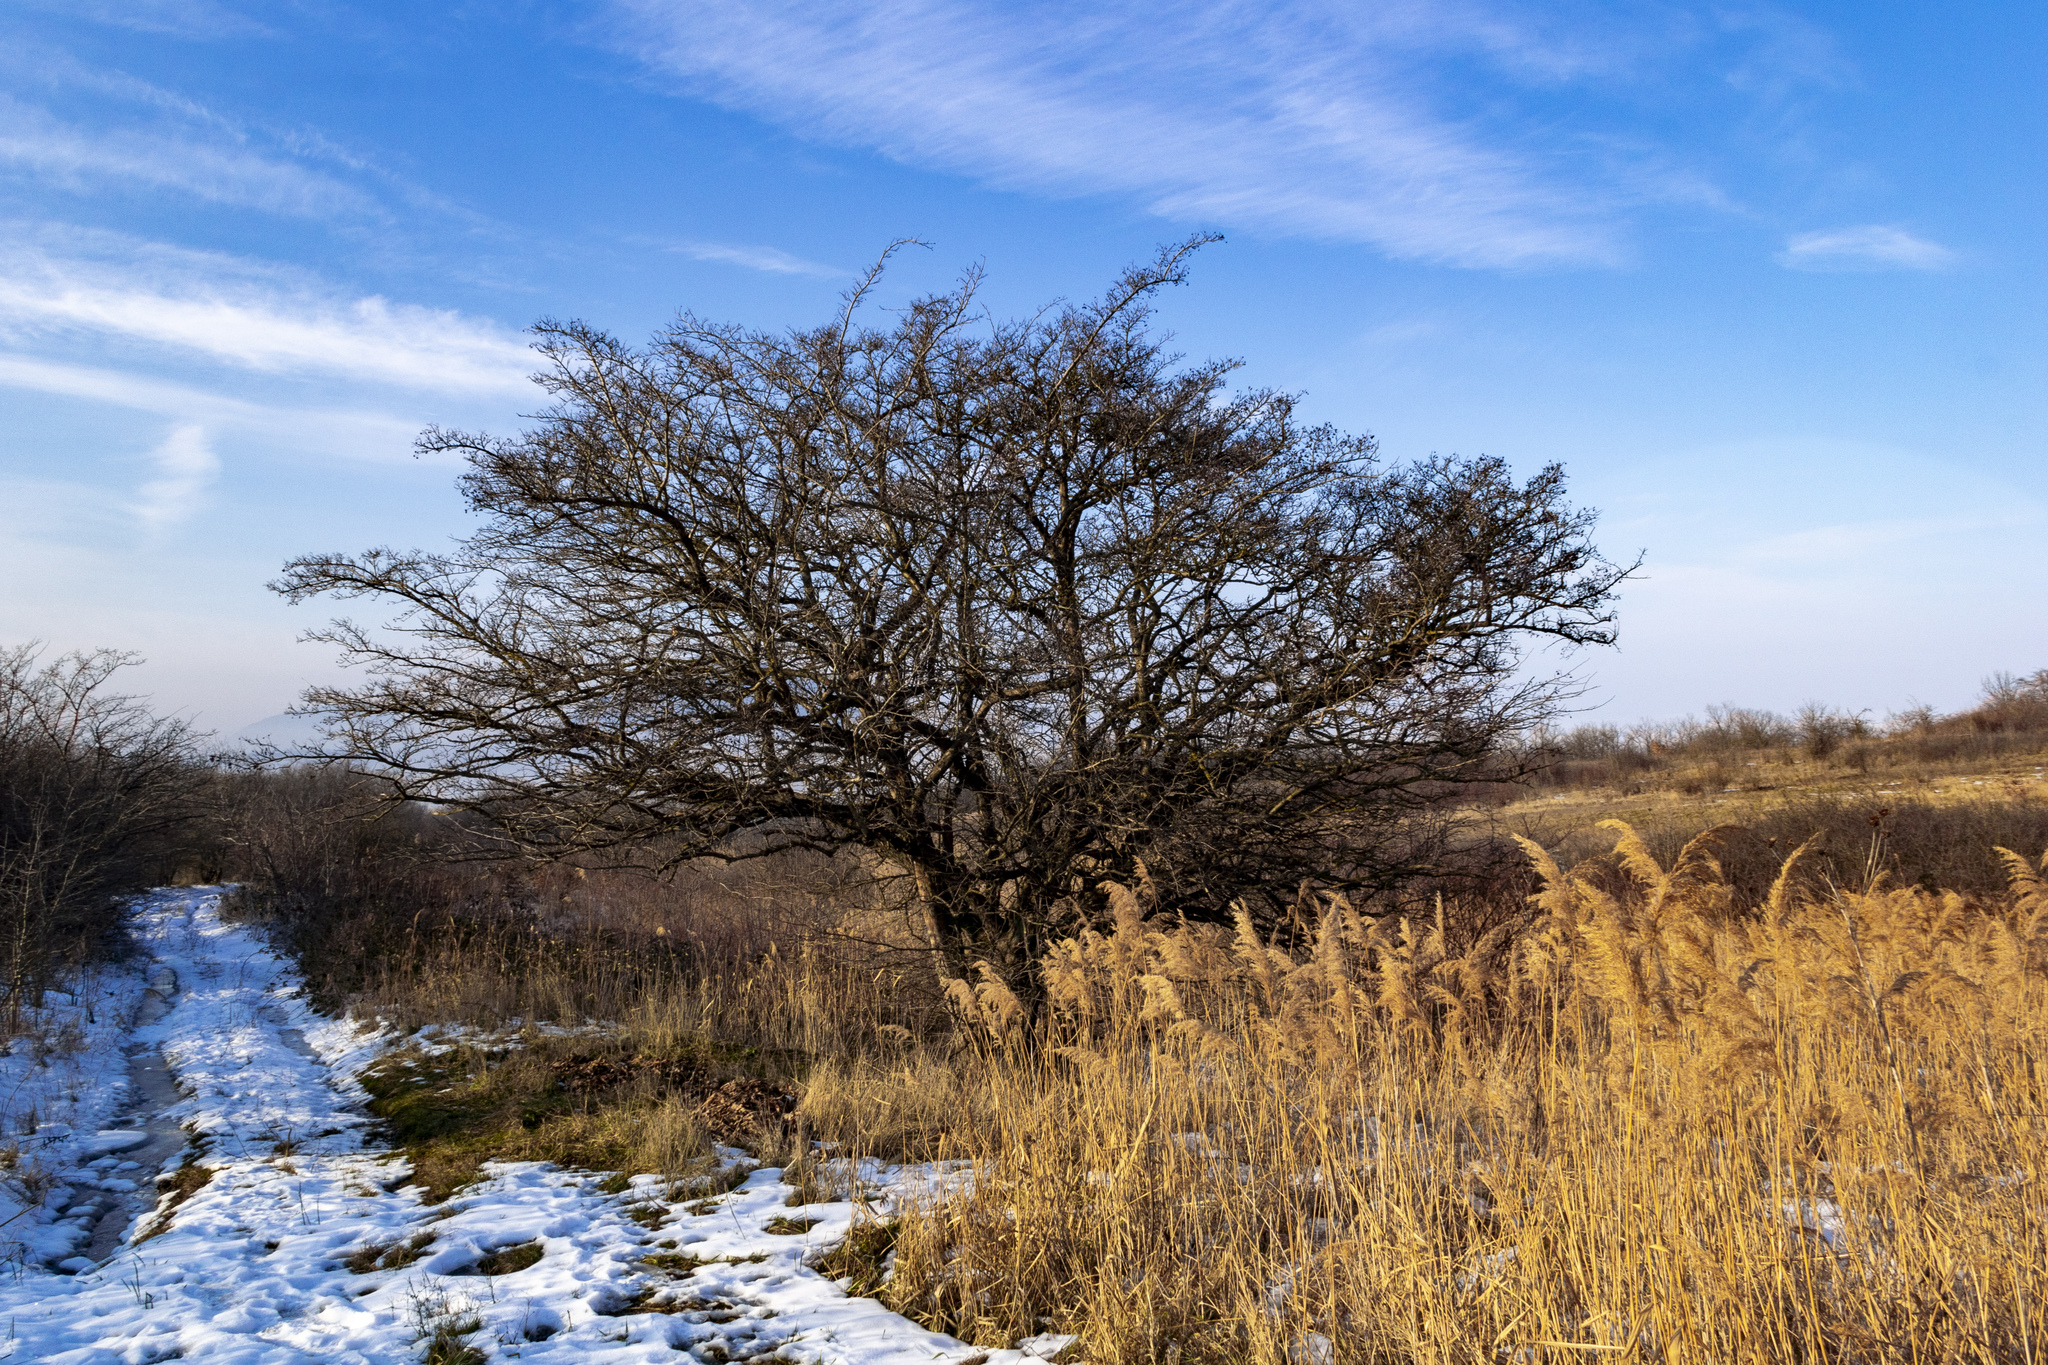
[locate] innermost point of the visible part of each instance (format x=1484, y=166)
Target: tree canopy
x=1011, y=605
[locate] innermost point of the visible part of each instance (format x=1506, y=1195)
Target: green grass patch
x=681, y=1263
x=660, y=1298
x=674, y=1262
x=367, y=1260
x=174, y=1189
x=790, y=1227
x=507, y=1260
x=455, y=1110
x=860, y=1261
x=450, y=1344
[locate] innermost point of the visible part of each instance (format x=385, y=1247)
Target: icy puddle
x=281, y=1239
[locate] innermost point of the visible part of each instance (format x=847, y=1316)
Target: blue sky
x=1767, y=280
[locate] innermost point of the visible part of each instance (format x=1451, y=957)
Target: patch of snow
x=1046, y=1346
x=109, y=1140
x=253, y=1266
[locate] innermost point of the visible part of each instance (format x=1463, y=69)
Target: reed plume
x=1651, y=1120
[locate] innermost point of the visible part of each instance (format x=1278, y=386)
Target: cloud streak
x=186, y=467
x=181, y=145
x=179, y=18
x=350, y=434
x=226, y=312
x=1305, y=121
x=766, y=259
x=1870, y=247
x=221, y=172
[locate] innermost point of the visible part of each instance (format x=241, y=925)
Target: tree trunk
x=973, y=924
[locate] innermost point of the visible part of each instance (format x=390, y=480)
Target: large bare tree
x=1009, y=605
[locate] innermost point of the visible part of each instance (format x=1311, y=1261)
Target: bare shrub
x=1823, y=729
x=2009, y=722
x=391, y=911
x=92, y=789
x=2012, y=704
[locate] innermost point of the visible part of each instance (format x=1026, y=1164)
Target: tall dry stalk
x=1655, y=1125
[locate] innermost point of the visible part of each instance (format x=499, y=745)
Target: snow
x=61, y=1083
x=251, y=1267
x=113, y=1140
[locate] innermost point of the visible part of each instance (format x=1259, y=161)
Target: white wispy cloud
x=186, y=466
x=216, y=169
x=182, y=18
x=230, y=312
x=1870, y=247
x=337, y=432
x=35, y=65
x=144, y=136
x=763, y=258
x=1308, y=120
x=140, y=393
x=1787, y=55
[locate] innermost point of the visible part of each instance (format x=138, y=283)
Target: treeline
x=101, y=798
x=2010, y=718
x=97, y=799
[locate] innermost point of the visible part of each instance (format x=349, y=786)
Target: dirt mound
x=583, y=1072
x=740, y=1113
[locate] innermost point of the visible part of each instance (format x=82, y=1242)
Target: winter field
x=1643, y=1127
x=300, y=1242
x=1751, y=1076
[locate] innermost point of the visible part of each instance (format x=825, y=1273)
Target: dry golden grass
x=1650, y=1128
x=1934, y=837
x=1948, y=794
x=2004, y=738
x=1704, y=1100
x=796, y=963
x=671, y=991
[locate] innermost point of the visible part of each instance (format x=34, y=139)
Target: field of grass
x=1772, y=1092
x=1650, y=1127
x=1925, y=808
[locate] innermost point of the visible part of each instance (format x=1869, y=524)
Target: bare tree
x=303, y=839
x=90, y=784
x=1011, y=605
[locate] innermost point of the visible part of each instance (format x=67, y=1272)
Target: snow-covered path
x=254, y=1265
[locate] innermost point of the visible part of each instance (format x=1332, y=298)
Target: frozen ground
x=208, y=1053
